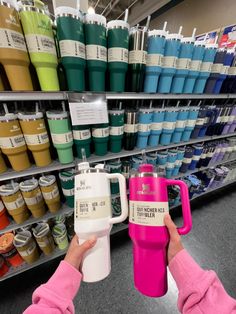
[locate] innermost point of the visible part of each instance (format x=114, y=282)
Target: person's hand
x=175, y=244
x=76, y=251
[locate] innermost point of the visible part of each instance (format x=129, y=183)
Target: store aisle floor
x=212, y=243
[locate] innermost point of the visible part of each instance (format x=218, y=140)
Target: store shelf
x=13, y=226
x=56, y=165
x=44, y=259
x=24, y=96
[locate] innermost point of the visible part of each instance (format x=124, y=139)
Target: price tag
x=84, y=113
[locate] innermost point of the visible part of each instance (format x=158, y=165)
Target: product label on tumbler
x=206, y=66
x=33, y=200
x=216, y=67
x=96, y=52
x=116, y=130
x=19, y=202
x=180, y=124
x=232, y=71
x=231, y=118
x=156, y=126
x=170, y=165
x=154, y=60
x=178, y=163
x=196, y=158
x=93, y=208
x=203, y=156
x=148, y=213
x=169, y=125
x=182, y=63
x=68, y=192
x=144, y=127
x=12, y=39
x=50, y=195
x=118, y=54
x=40, y=43
x=195, y=65
x=137, y=56
x=200, y=121
x=12, y=141
x=224, y=70
x=72, y=48
x=36, y=139
x=29, y=250
x=169, y=62
x=187, y=160
x=190, y=123
x=100, y=132
x=225, y=119
x=210, y=154
x=131, y=128
x=62, y=138
x=81, y=134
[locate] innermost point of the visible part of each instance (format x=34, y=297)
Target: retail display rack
x=56, y=165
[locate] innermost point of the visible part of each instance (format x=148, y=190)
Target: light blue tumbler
x=155, y=51
x=152, y=158
x=162, y=157
x=205, y=69
x=171, y=54
x=180, y=125
x=171, y=159
x=169, y=125
x=144, y=124
x=190, y=124
x=194, y=67
x=156, y=127
x=182, y=64
x=178, y=162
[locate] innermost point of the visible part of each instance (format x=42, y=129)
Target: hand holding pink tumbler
x=150, y=237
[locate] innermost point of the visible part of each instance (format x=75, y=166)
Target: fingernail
x=92, y=240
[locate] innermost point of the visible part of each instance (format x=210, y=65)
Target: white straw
x=164, y=27
x=83, y=155
x=216, y=39
x=5, y=108
x=150, y=106
x=194, y=32
x=148, y=21
x=180, y=30
x=205, y=38
x=126, y=15
x=63, y=106
x=37, y=107
x=120, y=105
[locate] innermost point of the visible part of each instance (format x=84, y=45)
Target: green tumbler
x=100, y=134
x=70, y=34
x=59, y=234
x=96, y=51
x=62, y=138
x=37, y=27
x=82, y=138
x=118, y=51
x=67, y=184
x=114, y=167
x=116, y=120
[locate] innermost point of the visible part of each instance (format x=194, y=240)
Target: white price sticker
x=62, y=138
x=96, y=52
x=116, y=130
x=12, y=40
x=81, y=134
x=148, y=213
x=169, y=62
x=137, y=56
x=72, y=48
x=12, y=141
x=183, y=63
x=118, y=54
x=36, y=139
x=154, y=60
x=88, y=112
x=40, y=43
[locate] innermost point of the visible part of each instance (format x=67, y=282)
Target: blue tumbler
x=171, y=54
x=229, y=56
x=201, y=119
x=207, y=122
x=180, y=124
x=162, y=158
x=168, y=125
x=194, y=67
x=182, y=64
x=212, y=114
x=187, y=159
x=144, y=124
x=152, y=158
x=190, y=124
x=156, y=127
x=198, y=148
x=136, y=161
x=155, y=51
x=227, y=86
x=205, y=69
x=171, y=159
x=216, y=69
x=178, y=162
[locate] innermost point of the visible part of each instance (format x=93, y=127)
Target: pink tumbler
x=148, y=205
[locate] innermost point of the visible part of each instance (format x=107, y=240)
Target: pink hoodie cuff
x=65, y=282
x=184, y=269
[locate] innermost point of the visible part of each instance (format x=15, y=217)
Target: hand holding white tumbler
x=93, y=216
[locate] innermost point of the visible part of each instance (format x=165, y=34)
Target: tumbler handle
x=123, y=197
x=187, y=217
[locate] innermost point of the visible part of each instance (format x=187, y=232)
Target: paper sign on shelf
x=83, y=113
x=228, y=38
x=210, y=39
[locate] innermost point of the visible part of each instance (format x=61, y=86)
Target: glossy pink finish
x=149, y=243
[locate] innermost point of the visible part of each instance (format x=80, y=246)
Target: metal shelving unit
x=56, y=165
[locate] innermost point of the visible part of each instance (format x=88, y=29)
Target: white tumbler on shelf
x=93, y=216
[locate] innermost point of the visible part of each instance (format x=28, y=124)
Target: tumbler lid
x=57, y=114
x=146, y=110
x=176, y=36
x=117, y=24
x=30, y=115
x=8, y=116
x=118, y=111
x=157, y=32
x=28, y=185
x=187, y=40
x=67, y=175
x=12, y=3
x=22, y=238
x=95, y=18
x=68, y=10
x=47, y=180
x=200, y=43
x=9, y=189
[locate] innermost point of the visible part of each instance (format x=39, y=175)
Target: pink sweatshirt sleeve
x=200, y=291
x=56, y=296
